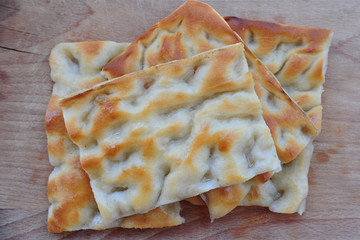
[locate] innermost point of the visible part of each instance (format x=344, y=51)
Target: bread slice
x=286, y=191
x=298, y=58
x=296, y=55
x=75, y=66
x=196, y=27
x=170, y=132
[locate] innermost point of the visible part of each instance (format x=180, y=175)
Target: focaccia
x=298, y=58
x=296, y=55
x=196, y=27
x=286, y=191
x=169, y=132
x=75, y=66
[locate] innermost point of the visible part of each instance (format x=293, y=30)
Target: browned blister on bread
x=170, y=132
x=75, y=66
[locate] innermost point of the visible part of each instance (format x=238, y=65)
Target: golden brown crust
x=54, y=121
x=300, y=60
x=297, y=56
x=286, y=191
x=254, y=193
x=73, y=206
x=204, y=30
x=70, y=192
x=201, y=88
x=263, y=178
x=74, y=192
x=90, y=49
x=192, y=33
x=172, y=47
x=157, y=218
x=197, y=201
x=285, y=122
x=270, y=32
x=223, y=200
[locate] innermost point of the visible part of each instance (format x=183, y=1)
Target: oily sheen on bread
x=196, y=27
x=75, y=66
x=298, y=58
x=170, y=132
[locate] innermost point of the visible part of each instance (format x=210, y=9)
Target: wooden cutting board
x=28, y=31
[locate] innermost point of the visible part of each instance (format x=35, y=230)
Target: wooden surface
x=28, y=31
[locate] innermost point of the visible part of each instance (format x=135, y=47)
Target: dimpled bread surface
x=196, y=27
x=75, y=66
x=296, y=55
x=298, y=58
x=170, y=132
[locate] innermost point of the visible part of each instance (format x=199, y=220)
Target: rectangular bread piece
x=75, y=66
x=196, y=27
x=297, y=56
x=170, y=132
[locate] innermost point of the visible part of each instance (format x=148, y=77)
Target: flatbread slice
x=170, y=132
x=75, y=66
x=296, y=55
x=286, y=191
x=196, y=27
x=298, y=58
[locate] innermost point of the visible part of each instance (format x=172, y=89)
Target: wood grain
x=28, y=31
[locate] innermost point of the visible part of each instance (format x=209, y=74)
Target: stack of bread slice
x=215, y=111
